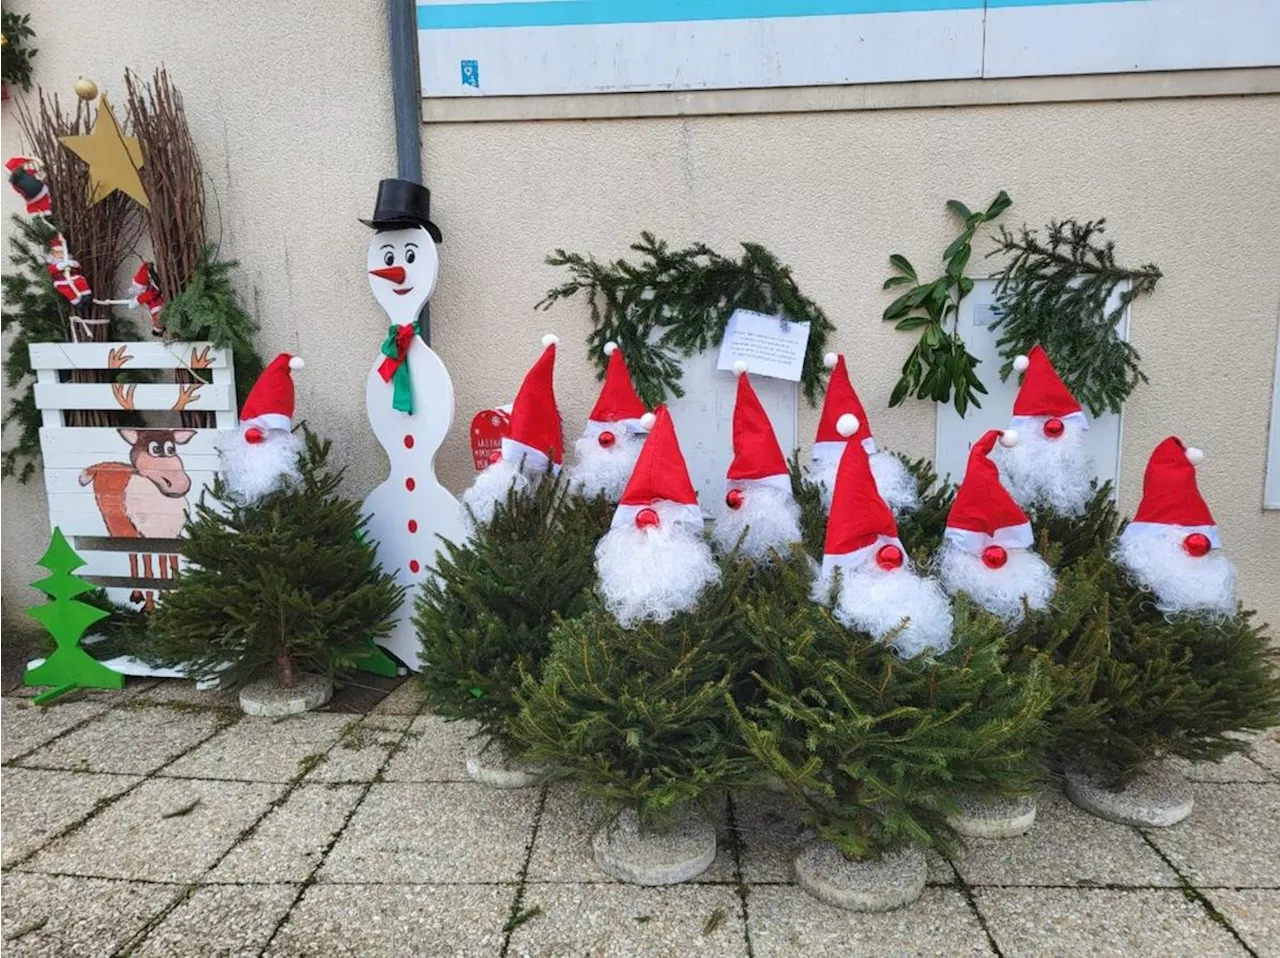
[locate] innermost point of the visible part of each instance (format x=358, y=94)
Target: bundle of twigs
x=99, y=235
x=174, y=180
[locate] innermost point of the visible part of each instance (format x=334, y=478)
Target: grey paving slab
x=787, y=922
x=404, y=699
x=1234, y=768
x=434, y=832
x=57, y=916
x=623, y=921
x=184, y=692
x=288, y=844
x=562, y=852
x=1066, y=846
x=771, y=831
x=24, y=726
x=1100, y=923
x=227, y=921
x=1232, y=837
x=264, y=749
x=164, y=830
x=434, y=750
x=360, y=751
x=131, y=741
x=393, y=921
x=1253, y=912
x=39, y=805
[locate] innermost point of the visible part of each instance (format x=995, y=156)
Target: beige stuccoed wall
x=291, y=109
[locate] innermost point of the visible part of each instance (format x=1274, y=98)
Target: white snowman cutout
x=411, y=512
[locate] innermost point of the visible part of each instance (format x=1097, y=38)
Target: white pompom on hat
x=830, y=360
x=550, y=339
x=1009, y=438
x=1021, y=363
x=847, y=424
x=610, y=348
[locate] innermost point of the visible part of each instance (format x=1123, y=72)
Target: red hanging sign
x=487, y=431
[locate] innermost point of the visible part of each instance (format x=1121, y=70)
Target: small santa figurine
x=25, y=180
x=758, y=508
x=897, y=487
x=878, y=592
x=607, y=451
x=146, y=293
x=535, y=445
x=1172, y=546
x=986, y=549
x=1050, y=467
x=654, y=562
x=65, y=272
x=261, y=456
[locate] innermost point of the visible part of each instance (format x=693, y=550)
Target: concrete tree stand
x=892, y=881
x=644, y=856
x=1158, y=797
x=998, y=818
x=268, y=698
x=490, y=763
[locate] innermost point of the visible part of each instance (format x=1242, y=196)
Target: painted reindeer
x=145, y=498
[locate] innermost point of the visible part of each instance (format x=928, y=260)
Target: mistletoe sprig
x=688, y=295
x=940, y=365
x=1055, y=292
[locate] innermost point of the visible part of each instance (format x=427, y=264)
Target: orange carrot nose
x=393, y=273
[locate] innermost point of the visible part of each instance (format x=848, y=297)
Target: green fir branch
x=674, y=303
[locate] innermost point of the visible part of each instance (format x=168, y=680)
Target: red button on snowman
x=409, y=397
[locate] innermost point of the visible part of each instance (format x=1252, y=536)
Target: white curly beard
x=874, y=601
x=651, y=574
x=999, y=591
x=254, y=470
x=896, y=485
x=599, y=470
x=492, y=487
x=1053, y=473
x=1179, y=581
x=769, y=517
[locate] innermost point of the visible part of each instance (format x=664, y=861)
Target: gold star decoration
x=114, y=159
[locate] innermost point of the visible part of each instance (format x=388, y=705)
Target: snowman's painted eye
x=409, y=256
x=388, y=257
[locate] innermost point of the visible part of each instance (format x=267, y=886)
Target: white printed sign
x=769, y=345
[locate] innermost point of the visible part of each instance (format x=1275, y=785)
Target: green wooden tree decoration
x=69, y=666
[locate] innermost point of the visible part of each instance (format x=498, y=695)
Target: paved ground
x=159, y=821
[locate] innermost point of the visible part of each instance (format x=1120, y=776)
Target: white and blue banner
x=527, y=47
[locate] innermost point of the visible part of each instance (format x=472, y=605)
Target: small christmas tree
x=1138, y=685
x=486, y=618
x=287, y=582
x=876, y=749
x=67, y=618
x=639, y=716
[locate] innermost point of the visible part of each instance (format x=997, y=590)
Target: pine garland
x=687, y=294
x=1054, y=292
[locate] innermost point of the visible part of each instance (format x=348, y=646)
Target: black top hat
x=403, y=203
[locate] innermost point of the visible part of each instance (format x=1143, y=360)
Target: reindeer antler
x=124, y=394
x=186, y=393
x=200, y=360
x=116, y=358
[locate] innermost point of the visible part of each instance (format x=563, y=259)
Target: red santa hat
x=1043, y=394
x=984, y=514
x=841, y=398
x=861, y=529
x=1171, y=499
x=535, y=437
x=757, y=457
x=618, y=406
x=660, y=476
x=270, y=401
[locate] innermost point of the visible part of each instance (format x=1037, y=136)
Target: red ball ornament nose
x=734, y=499
x=606, y=439
x=646, y=519
x=889, y=558
x=1197, y=544
x=1054, y=428
x=994, y=557
x=253, y=435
